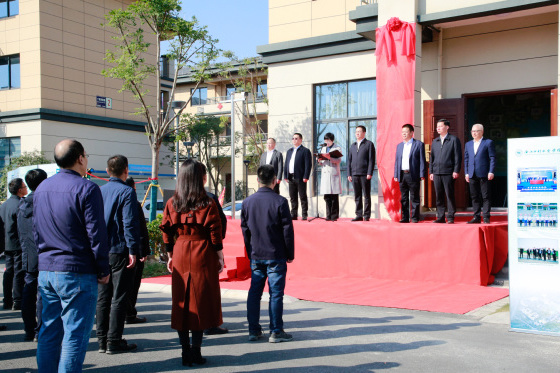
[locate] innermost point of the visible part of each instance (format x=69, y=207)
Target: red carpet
x=432, y=267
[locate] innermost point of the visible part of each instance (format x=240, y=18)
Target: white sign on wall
x=534, y=234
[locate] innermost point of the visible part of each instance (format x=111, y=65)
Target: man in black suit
x=361, y=162
x=410, y=164
x=445, y=165
x=274, y=158
x=296, y=173
x=14, y=275
x=268, y=233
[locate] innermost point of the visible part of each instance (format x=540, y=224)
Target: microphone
x=323, y=144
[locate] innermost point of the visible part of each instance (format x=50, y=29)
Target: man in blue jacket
x=71, y=237
x=31, y=304
x=480, y=163
x=123, y=230
x=410, y=165
x=268, y=233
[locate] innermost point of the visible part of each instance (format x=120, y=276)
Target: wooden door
x=454, y=111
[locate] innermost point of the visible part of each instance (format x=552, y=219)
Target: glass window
x=230, y=88
x=330, y=101
x=199, y=96
x=9, y=72
x=339, y=109
x=3, y=8
x=262, y=89
x=9, y=8
x=10, y=147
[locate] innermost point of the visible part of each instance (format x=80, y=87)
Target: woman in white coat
x=330, y=176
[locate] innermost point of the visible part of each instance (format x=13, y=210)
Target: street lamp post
x=246, y=162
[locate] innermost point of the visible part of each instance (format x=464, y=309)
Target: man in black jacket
x=296, y=172
x=14, y=275
x=274, y=158
x=445, y=165
x=31, y=305
x=361, y=162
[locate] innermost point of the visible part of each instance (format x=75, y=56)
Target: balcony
x=211, y=106
x=366, y=2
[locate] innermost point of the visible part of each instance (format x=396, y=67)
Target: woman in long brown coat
x=192, y=232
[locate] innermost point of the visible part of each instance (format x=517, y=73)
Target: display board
x=534, y=235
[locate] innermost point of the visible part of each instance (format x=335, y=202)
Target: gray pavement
x=327, y=338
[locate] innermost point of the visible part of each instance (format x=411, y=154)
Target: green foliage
x=156, y=237
x=154, y=268
x=25, y=159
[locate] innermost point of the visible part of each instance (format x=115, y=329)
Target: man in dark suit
x=296, y=173
x=480, y=163
x=410, y=168
x=361, y=162
x=445, y=165
x=14, y=275
x=268, y=233
x=274, y=158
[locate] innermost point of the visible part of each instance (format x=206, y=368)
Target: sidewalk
x=327, y=338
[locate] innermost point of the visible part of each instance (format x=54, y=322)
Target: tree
x=189, y=45
x=248, y=75
x=25, y=159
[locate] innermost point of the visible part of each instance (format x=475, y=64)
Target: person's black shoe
x=414, y=220
x=136, y=320
x=294, y=217
x=7, y=306
x=450, y=221
x=29, y=337
x=327, y=219
x=304, y=218
x=366, y=219
x=474, y=221
x=117, y=347
x=215, y=331
x=196, y=356
x=439, y=220
x=36, y=338
x=486, y=220
x=358, y=218
x=102, y=346
x=16, y=307
x=404, y=221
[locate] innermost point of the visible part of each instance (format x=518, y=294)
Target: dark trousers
x=331, y=201
x=277, y=188
x=31, y=304
x=480, y=196
x=196, y=338
x=112, y=299
x=134, y=288
x=296, y=187
x=14, y=278
x=410, y=197
x=445, y=188
x=362, y=187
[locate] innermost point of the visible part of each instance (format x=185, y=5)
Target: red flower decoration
x=394, y=24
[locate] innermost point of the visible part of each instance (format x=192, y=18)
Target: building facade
x=477, y=61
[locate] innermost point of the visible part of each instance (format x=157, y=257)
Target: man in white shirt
x=274, y=158
x=298, y=160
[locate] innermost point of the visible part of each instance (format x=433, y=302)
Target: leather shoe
x=327, y=219
x=216, y=330
x=294, y=217
x=136, y=320
x=439, y=220
x=486, y=221
x=404, y=221
x=450, y=221
x=474, y=221
x=358, y=219
x=414, y=220
x=366, y=219
x=117, y=347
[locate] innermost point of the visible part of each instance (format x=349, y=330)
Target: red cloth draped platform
x=425, y=266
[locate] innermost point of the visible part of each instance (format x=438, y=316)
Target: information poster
x=534, y=234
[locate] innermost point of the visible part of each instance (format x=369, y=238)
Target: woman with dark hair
x=192, y=232
x=331, y=186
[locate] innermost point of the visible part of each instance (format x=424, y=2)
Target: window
x=9, y=72
x=230, y=88
x=9, y=8
x=10, y=147
x=339, y=109
x=262, y=89
x=199, y=96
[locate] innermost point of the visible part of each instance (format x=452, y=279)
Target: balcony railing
x=224, y=99
x=366, y=2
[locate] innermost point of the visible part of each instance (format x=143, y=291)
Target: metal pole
x=177, y=148
x=232, y=157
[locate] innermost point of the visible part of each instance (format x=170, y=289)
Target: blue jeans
x=275, y=270
x=68, y=311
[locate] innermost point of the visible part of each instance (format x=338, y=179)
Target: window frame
x=10, y=58
x=199, y=89
x=8, y=7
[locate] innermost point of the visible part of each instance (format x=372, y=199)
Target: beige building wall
x=290, y=92
x=435, y=6
x=298, y=19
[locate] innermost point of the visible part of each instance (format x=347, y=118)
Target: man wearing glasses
x=480, y=163
x=296, y=173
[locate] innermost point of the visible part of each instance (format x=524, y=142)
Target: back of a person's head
x=117, y=165
x=190, y=193
x=265, y=174
x=35, y=177
x=15, y=185
x=130, y=182
x=67, y=152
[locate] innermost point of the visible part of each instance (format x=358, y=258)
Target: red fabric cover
x=425, y=266
x=396, y=62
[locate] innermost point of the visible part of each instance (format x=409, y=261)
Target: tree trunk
x=154, y=189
